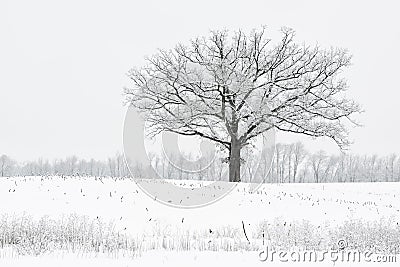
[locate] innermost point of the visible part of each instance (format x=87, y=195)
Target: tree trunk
x=234, y=162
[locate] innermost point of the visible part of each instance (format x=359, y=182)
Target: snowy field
x=107, y=222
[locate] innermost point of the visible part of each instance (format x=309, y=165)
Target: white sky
x=63, y=64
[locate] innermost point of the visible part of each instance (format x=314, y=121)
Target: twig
x=244, y=231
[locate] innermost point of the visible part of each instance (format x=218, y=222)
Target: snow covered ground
x=169, y=259
x=214, y=231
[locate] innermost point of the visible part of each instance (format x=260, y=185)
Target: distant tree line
x=291, y=163
x=71, y=166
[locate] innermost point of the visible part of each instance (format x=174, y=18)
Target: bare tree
x=317, y=161
x=352, y=167
x=232, y=89
x=299, y=154
x=330, y=167
x=71, y=163
x=398, y=170
x=390, y=163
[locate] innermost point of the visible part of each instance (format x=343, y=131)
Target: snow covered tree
x=6, y=164
x=232, y=88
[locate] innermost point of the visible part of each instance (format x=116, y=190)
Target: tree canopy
x=230, y=88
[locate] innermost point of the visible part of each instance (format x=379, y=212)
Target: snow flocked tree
x=232, y=88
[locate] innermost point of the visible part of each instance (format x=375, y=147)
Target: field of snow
x=127, y=226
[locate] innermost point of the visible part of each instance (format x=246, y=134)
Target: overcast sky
x=63, y=64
